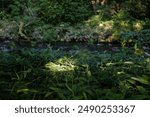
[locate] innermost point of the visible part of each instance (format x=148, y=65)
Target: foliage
x=50, y=11
x=139, y=8
x=8, y=30
x=49, y=74
x=140, y=37
x=66, y=11
x=74, y=74
x=72, y=20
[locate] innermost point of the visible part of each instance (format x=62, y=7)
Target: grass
x=79, y=74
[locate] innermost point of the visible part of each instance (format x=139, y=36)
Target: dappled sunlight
x=111, y=30
x=129, y=62
x=75, y=49
x=138, y=25
x=120, y=73
x=94, y=20
x=26, y=90
x=60, y=65
x=145, y=80
x=115, y=63
x=57, y=67
x=98, y=22
x=124, y=24
x=110, y=63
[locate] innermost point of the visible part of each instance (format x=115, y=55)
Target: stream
x=67, y=46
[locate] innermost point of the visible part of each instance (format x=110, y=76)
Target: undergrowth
x=80, y=74
x=74, y=74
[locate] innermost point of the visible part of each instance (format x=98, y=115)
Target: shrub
x=66, y=11
x=140, y=37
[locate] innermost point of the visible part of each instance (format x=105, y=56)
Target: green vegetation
x=49, y=74
x=31, y=67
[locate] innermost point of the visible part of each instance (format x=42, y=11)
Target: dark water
x=91, y=47
x=67, y=46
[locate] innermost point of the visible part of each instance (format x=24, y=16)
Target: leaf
x=141, y=89
x=48, y=94
x=85, y=96
x=141, y=80
x=55, y=89
x=69, y=89
x=27, y=90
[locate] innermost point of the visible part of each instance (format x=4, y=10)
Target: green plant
x=50, y=74
x=139, y=38
x=66, y=11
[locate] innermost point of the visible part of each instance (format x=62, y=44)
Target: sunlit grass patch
x=60, y=65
